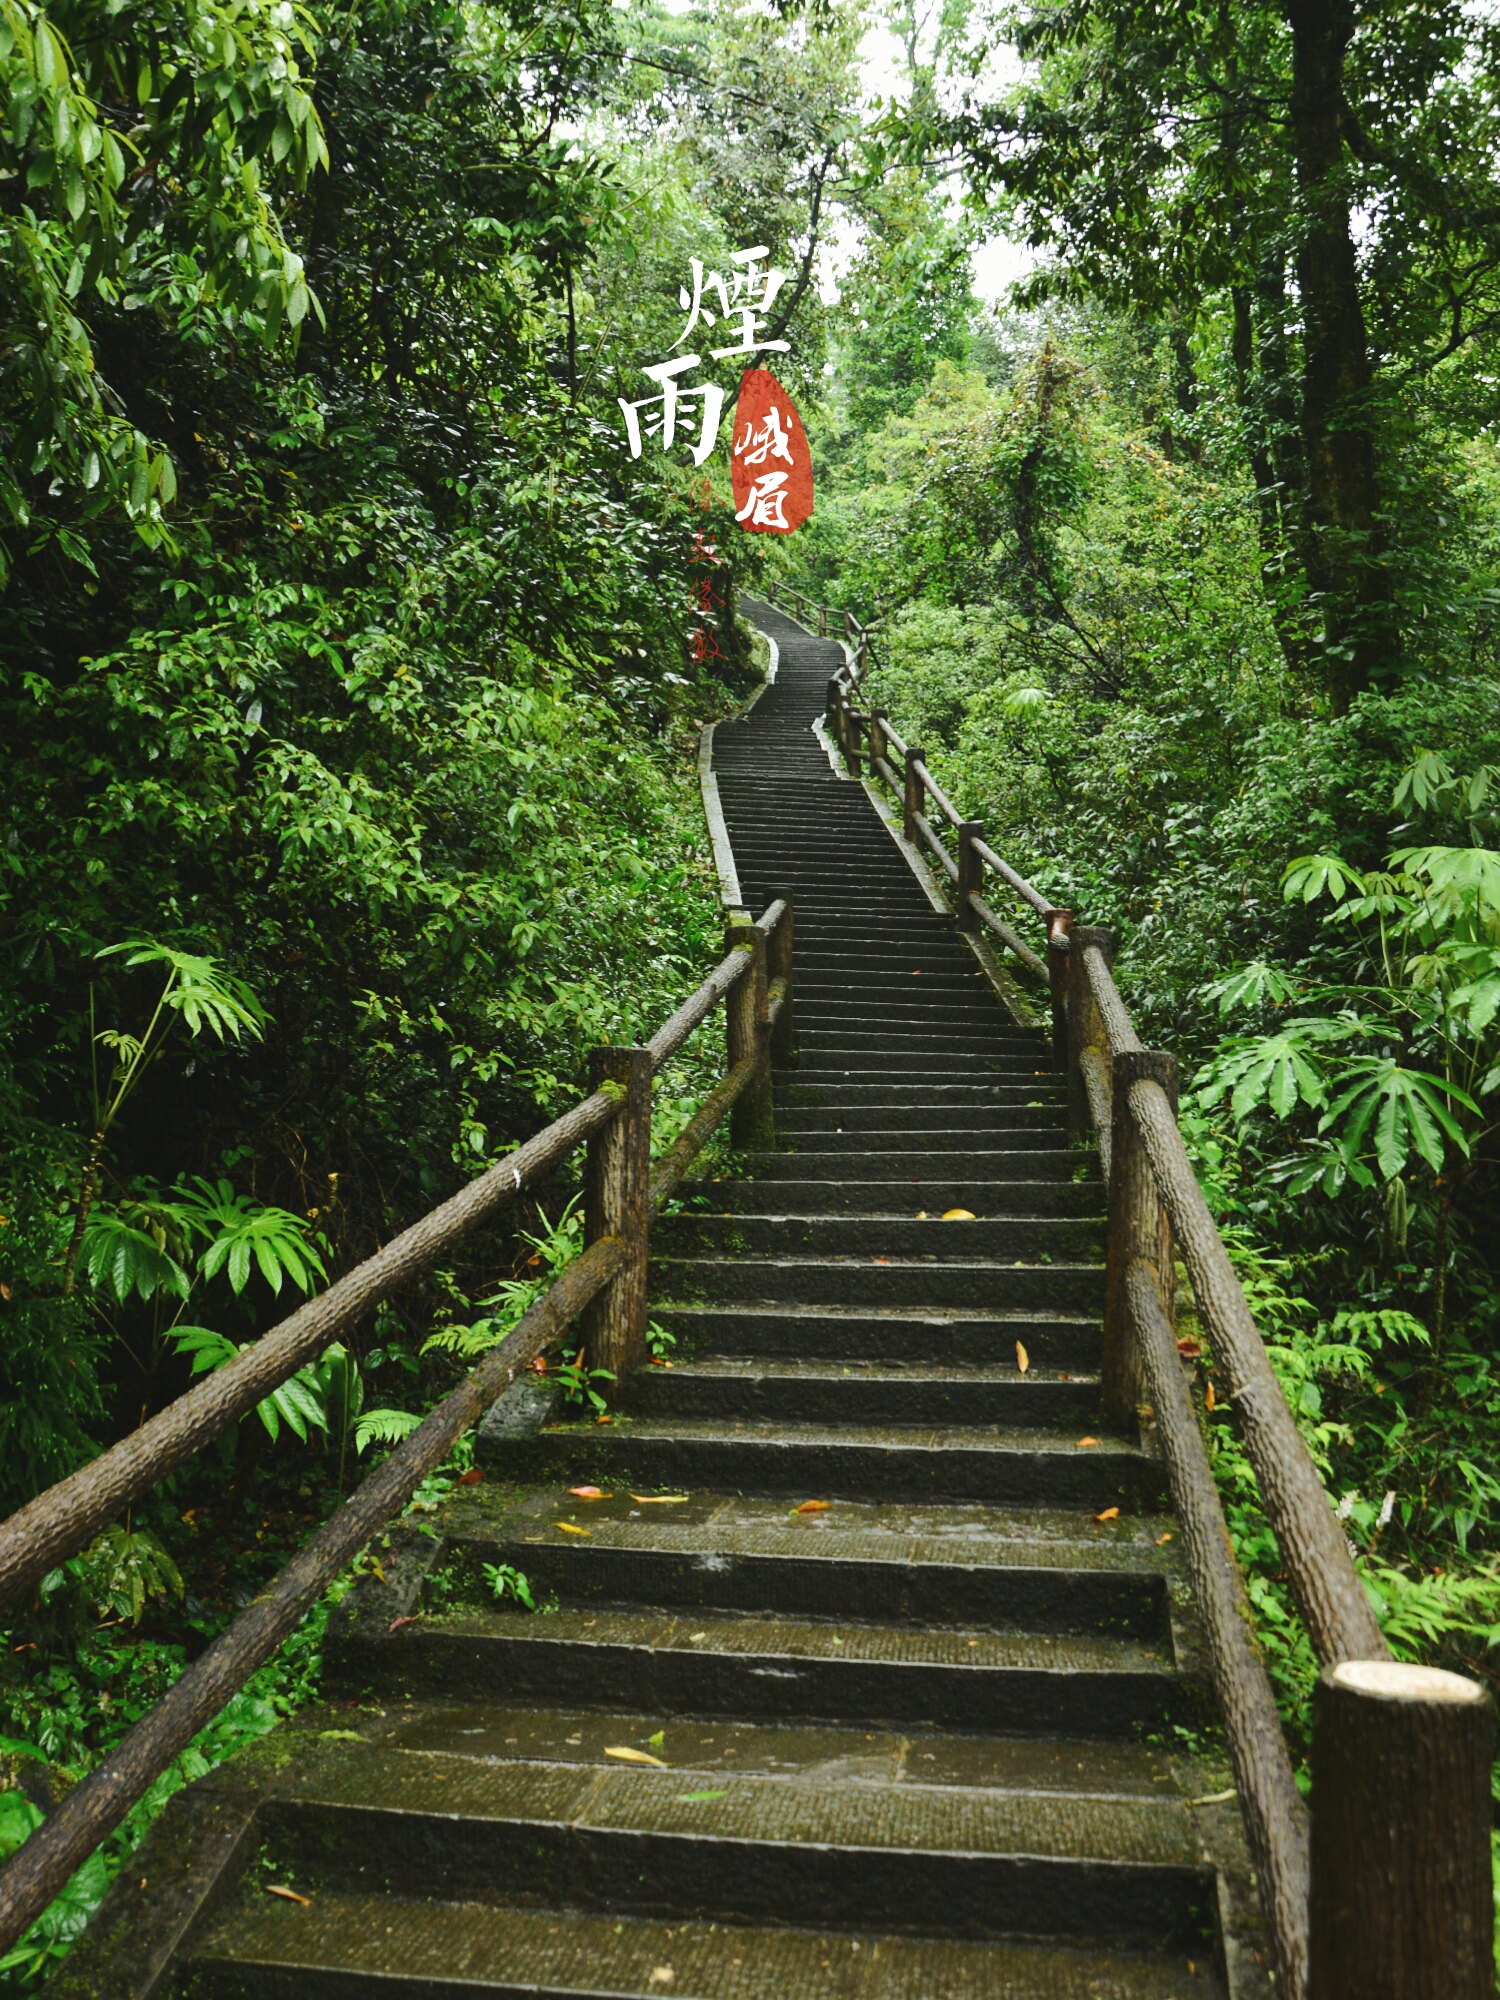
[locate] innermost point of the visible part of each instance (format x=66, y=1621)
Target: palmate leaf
x=298, y=1402
x=1466, y=876
x=1278, y=1070
x=121, y=1261
x=1312, y=875
x=198, y=989
x=1407, y=1109
x=1249, y=986
x=239, y=1232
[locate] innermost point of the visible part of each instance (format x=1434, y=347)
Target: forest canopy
x=351, y=678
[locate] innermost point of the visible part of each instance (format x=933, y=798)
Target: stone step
x=865, y=1393
x=969, y=1567
x=1070, y=1288
x=953, y=1153
x=1006, y=1468
x=765, y=1666
x=1036, y=1238
x=921, y=1334
x=264, y=1948
x=790, y=1195
x=1013, y=1113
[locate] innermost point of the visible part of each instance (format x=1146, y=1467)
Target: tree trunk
x=1343, y=555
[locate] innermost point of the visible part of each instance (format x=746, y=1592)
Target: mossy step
x=916, y=1335
x=265, y=1948
x=1012, y=1467
x=965, y=1566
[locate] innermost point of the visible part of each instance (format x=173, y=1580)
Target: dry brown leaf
x=1189, y=1349
x=1086, y=1441
x=396, y=1623
x=1023, y=1359
x=662, y=1499
x=958, y=1215
x=275, y=1889
x=880, y=1260
x=812, y=1507
x=628, y=1754
x=661, y=1975
x=589, y=1493
x=1109, y=1514
x=470, y=1478
x=568, y=1528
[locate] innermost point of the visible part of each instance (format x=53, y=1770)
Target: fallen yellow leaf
x=958, y=1215
x=1109, y=1514
x=1208, y=1397
x=568, y=1528
x=812, y=1507
x=1023, y=1359
x=275, y=1889
x=628, y=1754
x=589, y=1493
x=1083, y=1441
x=921, y=1215
x=662, y=1499
x=1163, y=1538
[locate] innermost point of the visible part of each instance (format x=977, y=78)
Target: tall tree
x=1329, y=165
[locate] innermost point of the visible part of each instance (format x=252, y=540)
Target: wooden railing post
x=752, y=1125
x=970, y=874
x=822, y=621
x=1059, y=923
x=1401, y=1905
x=848, y=624
x=914, y=797
x=851, y=738
x=879, y=748
x=1085, y=1029
x=616, y=1184
x=771, y=591
x=779, y=966
x=831, y=707
x=1138, y=1231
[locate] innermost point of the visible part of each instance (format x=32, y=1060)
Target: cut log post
x=1085, y=1029
x=779, y=966
x=915, y=796
x=851, y=738
x=1139, y=1233
x=1059, y=923
x=1401, y=1905
x=970, y=874
x=752, y=1127
x=616, y=1190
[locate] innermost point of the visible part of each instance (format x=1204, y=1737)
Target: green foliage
x=507, y=1581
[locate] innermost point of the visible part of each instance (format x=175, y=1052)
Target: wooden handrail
x=40, y=1869
x=1118, y=1089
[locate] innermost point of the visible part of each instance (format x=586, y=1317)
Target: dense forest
x=351, y=684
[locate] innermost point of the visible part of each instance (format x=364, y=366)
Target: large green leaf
x=1405, y=1111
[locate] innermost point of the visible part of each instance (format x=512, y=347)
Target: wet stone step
x=1029, y=1155
x=791, y=1195
x=974, y=1567
x=765, y=1665
x=1033, y=1237
x=875, y=1282
x=1001, y=1467
x=1020, y=1112
x=342, y=1946
x=912, y=1334
x=721, y=1387
x=1035, y=1132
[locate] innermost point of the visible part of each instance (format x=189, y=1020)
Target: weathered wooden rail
x=1396, y=1902
x=605, y=1286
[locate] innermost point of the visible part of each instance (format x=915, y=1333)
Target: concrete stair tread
x=852, y=1437
x=870, y=1531
x=438, y=1948
x=703, y=1632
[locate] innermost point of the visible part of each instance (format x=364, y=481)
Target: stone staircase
x=873, y=1674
